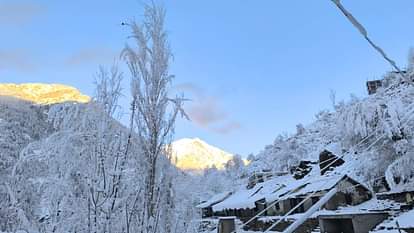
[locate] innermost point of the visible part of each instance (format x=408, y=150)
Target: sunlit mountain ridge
x=40, y=93
x=195, y=154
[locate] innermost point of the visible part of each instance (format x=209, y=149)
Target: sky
x=252, y=69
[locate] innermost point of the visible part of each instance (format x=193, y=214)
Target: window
x=314, y=200
x=348, y=199
x=294, y=203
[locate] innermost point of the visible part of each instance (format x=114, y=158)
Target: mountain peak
x=196, y=154
x=41, y=93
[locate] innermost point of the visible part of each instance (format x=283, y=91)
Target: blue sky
x=254, y=69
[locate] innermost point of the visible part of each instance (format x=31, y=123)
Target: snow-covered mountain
x=40, y=93
x=195, y=154
x=190, y=154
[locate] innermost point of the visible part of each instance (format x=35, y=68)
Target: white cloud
x=206, y=111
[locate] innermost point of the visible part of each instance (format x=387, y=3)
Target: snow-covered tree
x=156, y=112
x=411, y=60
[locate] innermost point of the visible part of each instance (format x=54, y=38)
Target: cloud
x=91, y=55
x=190, y=87
x=17, y=60
x=206, y=110
x=228, y=127
x=18, y=14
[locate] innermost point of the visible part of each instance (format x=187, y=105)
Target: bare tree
x=148, y=62
x=105, y=176
x=108, y=88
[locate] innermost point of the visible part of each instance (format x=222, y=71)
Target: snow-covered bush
x=400, y=173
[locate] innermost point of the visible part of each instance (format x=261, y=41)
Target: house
x=350, y=223
x=282, y=201
x=246, y=202
x=318, y=183
x=372, y=86
x=206, y=207
x=347, y=192
x=262, y=176
x=278, y=196
x=361, y=218
x=318, y=186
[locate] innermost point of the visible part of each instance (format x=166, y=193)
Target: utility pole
x=364, y=33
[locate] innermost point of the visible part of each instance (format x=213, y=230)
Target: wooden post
x=226, y=225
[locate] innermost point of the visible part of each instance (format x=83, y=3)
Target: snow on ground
x=389, y=231
x=291, y=217
x=406, y=220
x=403, y=221
x=243, y=231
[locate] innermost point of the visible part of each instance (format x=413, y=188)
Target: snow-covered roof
x=308, y=184
x=228, y=217
x=371, y=206
x=317, y=183
x=399, y=189
x=214, y=200
x=245, y=198
x=241, y=199
x=281, y=187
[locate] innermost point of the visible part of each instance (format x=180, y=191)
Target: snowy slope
x=20, y=124
x=56, y=154
x=378, y=129
x=47, y=152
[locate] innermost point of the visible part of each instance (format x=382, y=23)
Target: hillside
x=56, y=155
x=373, y=133
x=352, y=162
x=48, y=154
